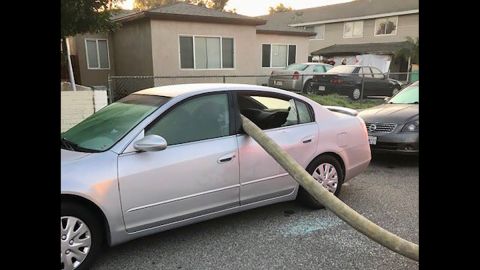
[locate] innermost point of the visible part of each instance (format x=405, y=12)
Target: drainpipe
x=408, y=68
x=70, y=69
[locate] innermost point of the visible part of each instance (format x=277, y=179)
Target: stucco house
x=187, y=40
x=374, y=29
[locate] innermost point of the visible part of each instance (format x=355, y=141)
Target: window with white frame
x=97, y=53
x=386, y=26
x=278, y=55
x=353, y=29
x=199, y=52
x=320, y=30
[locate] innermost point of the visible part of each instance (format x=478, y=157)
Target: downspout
x=70, y=69
x=408, y=68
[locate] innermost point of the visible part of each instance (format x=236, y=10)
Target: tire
x=355, y=94
x=304, y=197
x=395, y=91
x=307, y=87
x=81, y=257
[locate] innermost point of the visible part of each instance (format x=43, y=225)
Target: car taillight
x=335, y=81
x=296, y=75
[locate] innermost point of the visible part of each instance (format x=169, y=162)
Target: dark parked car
x=394, y=126
x=297, y=77
x=347, y=80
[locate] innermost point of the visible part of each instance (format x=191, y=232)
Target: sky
x=260, y=7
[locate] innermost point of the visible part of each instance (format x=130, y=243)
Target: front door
x=195, y=175
x=289, y=122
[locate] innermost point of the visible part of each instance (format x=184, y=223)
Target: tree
x=82, y=16
x=147, y=4
x=410, y=51
x=279, y=8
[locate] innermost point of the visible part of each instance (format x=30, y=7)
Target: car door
x=369, y=82
x=261, y=177
x=195, y=175
x=382, y=85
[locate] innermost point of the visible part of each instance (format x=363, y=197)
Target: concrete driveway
x=289, y=236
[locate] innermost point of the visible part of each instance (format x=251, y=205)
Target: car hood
x=390, y=113
x=67, y=156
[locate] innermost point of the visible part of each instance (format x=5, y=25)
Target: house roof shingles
x=352, y=49
x=357, y=8
x=188, y=12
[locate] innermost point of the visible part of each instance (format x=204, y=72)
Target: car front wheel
x=80, y=237
x=327, y=171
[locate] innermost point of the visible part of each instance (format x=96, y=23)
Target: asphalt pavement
x=288, y=235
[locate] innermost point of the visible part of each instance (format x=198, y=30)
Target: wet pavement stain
x=309, y=225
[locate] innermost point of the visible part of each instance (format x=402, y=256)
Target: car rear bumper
x=404, y=143
x=286, y=84
x=344, y=89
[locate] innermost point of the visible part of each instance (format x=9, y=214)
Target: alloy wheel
x=356, y=94
x=326, y=174
x=75, y=242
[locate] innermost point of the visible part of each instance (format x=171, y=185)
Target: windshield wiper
x=69, y=145
x=66, y=144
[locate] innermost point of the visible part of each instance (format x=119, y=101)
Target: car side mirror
x=150, y=143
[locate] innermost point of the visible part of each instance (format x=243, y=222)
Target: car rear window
x=297, y=67
x=342, y=69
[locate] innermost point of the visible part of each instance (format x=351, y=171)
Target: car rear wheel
x=81, y=237
x=356, y=93
x=307, y=87
x=327, y=171
x=395, y=91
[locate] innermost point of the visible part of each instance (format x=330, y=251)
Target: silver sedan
x=169, y=156
x=297, y=77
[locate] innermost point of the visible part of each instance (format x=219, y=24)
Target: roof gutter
x=407, y=12
x=286, y=33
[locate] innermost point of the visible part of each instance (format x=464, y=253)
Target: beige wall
x=92, y=77
x=300, y=42
x=407, y=26
x=133, y=50
x=166, y=58
x=78, y=105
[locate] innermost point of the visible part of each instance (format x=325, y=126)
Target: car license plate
x=372, y=140
x=278, y=82
x=321, y=88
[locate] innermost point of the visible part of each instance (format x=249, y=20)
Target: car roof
x=198, y=88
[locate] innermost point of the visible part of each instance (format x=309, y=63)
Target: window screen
x=227, y=52
x=266, y=55
x=292, y=52
x=186, y=52
x=92, y=55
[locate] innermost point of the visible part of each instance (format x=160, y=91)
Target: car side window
x=270, y=112
x=319, y=69
x=200, y=118
x=304, y=113
x=377, y=74
x=367, y=72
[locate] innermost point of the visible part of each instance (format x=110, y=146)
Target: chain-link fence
x=368, y=84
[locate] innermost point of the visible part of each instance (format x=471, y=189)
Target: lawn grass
x=337, y=100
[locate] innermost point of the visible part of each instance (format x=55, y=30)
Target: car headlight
x=411, y=126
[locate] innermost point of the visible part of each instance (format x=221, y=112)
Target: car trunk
x=282, y=74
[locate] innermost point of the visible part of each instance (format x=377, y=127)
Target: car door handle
x=307, y=139
x=226, y=158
